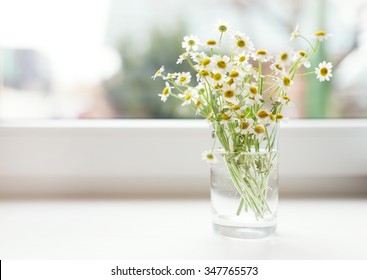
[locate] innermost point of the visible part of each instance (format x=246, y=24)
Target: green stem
x=240, y=207
x=305, y=74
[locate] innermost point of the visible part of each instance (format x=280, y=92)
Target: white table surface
x=175, y=229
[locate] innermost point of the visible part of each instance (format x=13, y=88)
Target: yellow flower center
x=241, y=43
x=206, y=61
x=221, y=64
x=191, y=43
x=159, y=72
x=242, y=58
x=236, y=107
x=244, y=125
x=222, y=28
x=197, y=104
x=217, y=77
x=228, y=93
x=241, y=116
x=262, y=114
x=188, y=97
x=286, y=81
x=280, y=68
x=165, y=91
x=204, y=72
x=279, y=116
x=182, y=79
x=253, y=90
x=324, y=71
x=320, y=33
x=230, y=82
x=225, y=117
x=234, y=74
x=210, y=156
x=218, y=86
x=211, y=42
x=261, y=52
x=284, y=56
x=302, y=53
x=259, y=129
x=286, y=98
x=272, y=117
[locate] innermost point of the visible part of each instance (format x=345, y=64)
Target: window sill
x=163, y=157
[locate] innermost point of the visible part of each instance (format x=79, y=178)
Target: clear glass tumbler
x=244, y=193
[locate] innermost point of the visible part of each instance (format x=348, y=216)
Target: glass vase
x=244, y=193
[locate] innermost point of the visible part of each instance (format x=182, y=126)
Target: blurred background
x=94, y=59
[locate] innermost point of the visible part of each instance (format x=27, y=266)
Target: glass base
x=244, y=232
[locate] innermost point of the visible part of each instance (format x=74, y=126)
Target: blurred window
x=94, y=59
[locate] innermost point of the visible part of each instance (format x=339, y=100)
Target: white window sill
x=163, y=157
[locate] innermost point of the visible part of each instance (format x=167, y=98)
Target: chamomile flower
x=295, y=33
x=234, y=108
x=302, y=56
x=272, y=117
x=190, y=43
x=277, y=68
x=226, y=118
x=236, y=72
x=211, y=43
x=200, y=104
x=323, y=72
x=285, y=58
x=242, y=42
x=265, y=117
x=204, y=62
x=198, y=56
x=280, y=117
x=261, y=55
x=182, y=57
x=321, y=35
x=229, y=93
x=158, y=73
x=201, y=75
x=285, y=83
x=259, y=130
x=245, y=126
x=241, y=59
x=221, y=62
x=284, y=100
x=223, y=26
x=170, y=76
x=217, y=77
x=165, y=92
x=188, y=96
x=251, y=89
x=183, y=78
x=253, y=94
x=209, y=157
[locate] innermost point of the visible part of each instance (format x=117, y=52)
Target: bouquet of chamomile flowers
x=242, y=91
